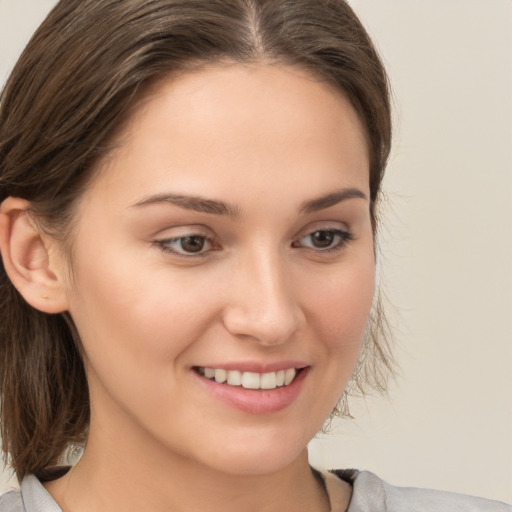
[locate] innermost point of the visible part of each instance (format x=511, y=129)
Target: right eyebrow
x=321, y=203
x=195, y=203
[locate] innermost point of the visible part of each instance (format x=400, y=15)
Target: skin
x=265, y=140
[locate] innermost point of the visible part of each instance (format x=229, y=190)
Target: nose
x=262, y=304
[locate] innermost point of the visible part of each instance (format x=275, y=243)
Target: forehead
x=242, y=124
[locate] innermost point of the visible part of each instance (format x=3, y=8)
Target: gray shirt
x=370, y=494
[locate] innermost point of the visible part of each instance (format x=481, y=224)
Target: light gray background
x=447, y=245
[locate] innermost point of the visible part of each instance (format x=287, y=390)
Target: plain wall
x=447, y=245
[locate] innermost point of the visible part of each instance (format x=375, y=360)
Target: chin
x=258, y=454
x=256, y=464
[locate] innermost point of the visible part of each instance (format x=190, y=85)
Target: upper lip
x=256, y=366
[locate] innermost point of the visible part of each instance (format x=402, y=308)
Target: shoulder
x=371, y=493
x=11, y=502
x=32, y=497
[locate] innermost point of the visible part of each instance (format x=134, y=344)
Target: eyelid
x=345, y=236
x=175, y=234
x=165, y=245
x=323, y=225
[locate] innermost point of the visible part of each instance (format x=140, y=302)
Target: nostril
x=263, y=330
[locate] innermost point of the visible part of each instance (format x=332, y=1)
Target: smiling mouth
x=250, y=380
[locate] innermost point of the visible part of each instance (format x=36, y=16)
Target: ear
x=30, y=258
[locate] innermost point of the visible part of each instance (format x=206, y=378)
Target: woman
x=187, y=231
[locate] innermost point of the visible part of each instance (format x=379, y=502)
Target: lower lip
x=256, y=401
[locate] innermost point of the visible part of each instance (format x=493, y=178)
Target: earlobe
x=27, y=257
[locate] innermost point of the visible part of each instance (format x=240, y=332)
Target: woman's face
x=228, y=236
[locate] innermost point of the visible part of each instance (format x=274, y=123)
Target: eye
x=189, y=245
x=325, y=239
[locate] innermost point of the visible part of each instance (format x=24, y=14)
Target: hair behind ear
x=44, y=394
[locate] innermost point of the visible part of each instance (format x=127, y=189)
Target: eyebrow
x=215, y=207
x=195, y=203
x=332, y=199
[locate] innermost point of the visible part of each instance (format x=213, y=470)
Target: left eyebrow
x=332, y=199
x=195, y=203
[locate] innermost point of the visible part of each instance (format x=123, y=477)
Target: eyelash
x=343, y=237
x=166, y=245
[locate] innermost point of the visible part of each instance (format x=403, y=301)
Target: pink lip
x=255, y=401
x=258, y=367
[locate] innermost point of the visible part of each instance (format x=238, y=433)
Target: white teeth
x=289, y=376
x=250, y=380
x=234, y=378
x=268, y=381
x=220, y=376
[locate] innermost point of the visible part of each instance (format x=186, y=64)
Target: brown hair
x=72, y=89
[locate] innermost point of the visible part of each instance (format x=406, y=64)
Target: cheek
x=135, y=320
x=136, y=331
x=340, y=308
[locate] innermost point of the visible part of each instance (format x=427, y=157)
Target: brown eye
x=325, y=239
x=193, y=243
x=322, y=239
x=190, y=245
